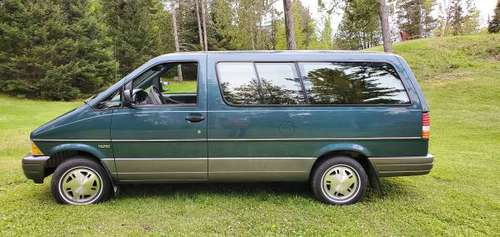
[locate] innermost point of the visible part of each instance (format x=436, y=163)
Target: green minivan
x=338, y=120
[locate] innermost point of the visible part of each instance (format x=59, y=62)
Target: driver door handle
x=195, y=117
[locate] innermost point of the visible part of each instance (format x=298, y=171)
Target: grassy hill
x=461, y=196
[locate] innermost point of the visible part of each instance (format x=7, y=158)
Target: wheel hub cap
x=80, y=185
x=340, y=182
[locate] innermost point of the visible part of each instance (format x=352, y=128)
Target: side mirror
x=136, y=96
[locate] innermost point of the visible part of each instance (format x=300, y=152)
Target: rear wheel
x=339, y=180
x=80, y=181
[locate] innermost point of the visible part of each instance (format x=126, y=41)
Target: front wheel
x=80, y=181
x=339, y=180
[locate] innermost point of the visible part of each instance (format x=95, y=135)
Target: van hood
x=51, y=129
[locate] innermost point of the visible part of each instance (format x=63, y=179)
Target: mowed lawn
x=461, y=80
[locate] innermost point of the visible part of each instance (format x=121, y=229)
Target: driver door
x=166, y=140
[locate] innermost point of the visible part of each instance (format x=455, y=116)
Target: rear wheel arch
x=356, y=155
x=341, y=181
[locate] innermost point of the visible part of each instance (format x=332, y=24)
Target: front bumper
x=402, y=166
x=34, y=167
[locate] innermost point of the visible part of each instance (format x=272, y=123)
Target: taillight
x=426, y=125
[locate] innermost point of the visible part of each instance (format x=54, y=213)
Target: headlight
x=35, y=151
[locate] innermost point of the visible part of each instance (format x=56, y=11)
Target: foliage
x=221, y=28
x=188, y=26
x=360, y=26
x=304, y=28
x=415, y=17
x=63, y=50
x=53, y=49
x=461, y=17
x=140, y=30
x=465, y=137
x=494, y=24
x=326, y=37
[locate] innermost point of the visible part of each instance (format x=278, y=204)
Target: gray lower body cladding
x=402, y=166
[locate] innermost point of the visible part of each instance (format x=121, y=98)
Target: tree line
x=67, y=49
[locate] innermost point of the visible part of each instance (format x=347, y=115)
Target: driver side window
x=167, y=84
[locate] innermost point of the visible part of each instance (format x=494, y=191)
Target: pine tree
x=494, y=24
x=305, y=31
x=140, y=30
x=304, y=28
x=415, y=18
x=471, y=18
x=187, y=21
x=53, y=49
x=360, y=25
x=221, y=30
x=462, y=17
x=326, y=40
x=455, y=13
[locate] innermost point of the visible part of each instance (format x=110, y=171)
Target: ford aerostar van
x=339, y=120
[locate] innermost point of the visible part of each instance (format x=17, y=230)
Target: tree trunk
x=384, y=22
x=176, y=39
x=290, y=33
x=421, y=19
x=204, y=18
x=273, y=31
x=200, y=36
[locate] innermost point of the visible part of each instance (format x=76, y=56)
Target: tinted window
x=353, y=83
x=276, y=83
x=239, y=83
x=280, y=83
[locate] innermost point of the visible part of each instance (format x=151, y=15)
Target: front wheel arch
x=58, y=158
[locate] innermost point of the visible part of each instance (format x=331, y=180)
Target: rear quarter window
x=353, y=83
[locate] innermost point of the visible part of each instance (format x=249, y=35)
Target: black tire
x=80, y=165
x=333, y=166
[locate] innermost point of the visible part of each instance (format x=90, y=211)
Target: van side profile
x=338, y=120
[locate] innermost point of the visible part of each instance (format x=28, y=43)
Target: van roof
x=285, y=55
x=282, y=52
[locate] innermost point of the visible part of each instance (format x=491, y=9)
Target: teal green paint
x=156, y=143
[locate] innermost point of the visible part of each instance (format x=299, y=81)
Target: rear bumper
x=402, y=166
x=34, y=167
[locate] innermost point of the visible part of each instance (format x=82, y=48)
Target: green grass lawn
x=461, y=196
x=181, y=87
